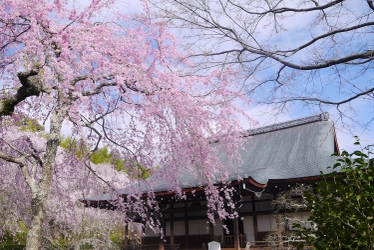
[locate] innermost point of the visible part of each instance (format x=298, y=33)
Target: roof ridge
x=288, y=124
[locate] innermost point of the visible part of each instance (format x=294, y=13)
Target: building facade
x=274, y=159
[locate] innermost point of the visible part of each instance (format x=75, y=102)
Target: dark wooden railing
x=228, y=240
x=266, y=245
x=152, y=247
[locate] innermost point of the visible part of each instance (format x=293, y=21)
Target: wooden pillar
x=161, y=245
x=235, y=224
x=211, y=231
x=171, y=227
x=255, y=226
x=186, y=225
x=126, y=239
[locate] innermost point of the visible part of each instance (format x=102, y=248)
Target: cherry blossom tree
x=115, y=80
x=65, y=216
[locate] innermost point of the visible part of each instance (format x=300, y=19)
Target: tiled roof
x=295, y=149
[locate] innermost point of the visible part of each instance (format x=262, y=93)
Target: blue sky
x=262, y=113
x=357, y=115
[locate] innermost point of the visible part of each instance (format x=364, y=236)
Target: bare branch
x=371, y=4
x=313, y=99
x=287, y=51
x=115, y=143
x=325, y=64
x=275, y=10
x=88, y=166
x=334, y=32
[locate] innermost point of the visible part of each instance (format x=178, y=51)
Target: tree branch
x=371, y=4
x=287, y=9
x=326, y=35
x=34, y=153
x=17, y=160
x=88, y=166
x=31, y=86
x=21, y=162
x=326, y=64
x=313, y=99
x=98, y=89
x=13, y=35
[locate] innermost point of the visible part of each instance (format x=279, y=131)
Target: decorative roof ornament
x=257, y=193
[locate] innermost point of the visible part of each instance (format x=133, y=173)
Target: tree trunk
x=279, y=230
x=40, y=192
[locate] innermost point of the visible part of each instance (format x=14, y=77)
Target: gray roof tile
x=294, y=149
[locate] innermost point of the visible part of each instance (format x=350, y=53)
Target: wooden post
x=235, y=224
x=126, y=239
x=211, y=231
x=161, y=245
x=171, y=228
x=255, y=226
x=186, y=226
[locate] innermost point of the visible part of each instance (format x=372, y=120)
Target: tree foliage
x=342, y=209
x=314, y=53
x=67, y=223
x=288, y=207
x=113, y=79
x=102, y=156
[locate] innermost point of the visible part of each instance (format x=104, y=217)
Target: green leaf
x=342, y=207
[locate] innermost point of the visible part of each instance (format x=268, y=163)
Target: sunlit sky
x=262, y=114
x=347, y=128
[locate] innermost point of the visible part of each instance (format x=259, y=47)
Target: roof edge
x=289, y=124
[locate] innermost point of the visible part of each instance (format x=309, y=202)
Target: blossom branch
x=21, y=162
x=31, y=86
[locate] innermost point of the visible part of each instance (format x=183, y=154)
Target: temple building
x=274, y=159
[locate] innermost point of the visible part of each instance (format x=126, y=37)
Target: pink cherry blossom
x=118, y=80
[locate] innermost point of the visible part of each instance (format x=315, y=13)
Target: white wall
x=198, y=227
x=265, y=223
x=248, y=228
